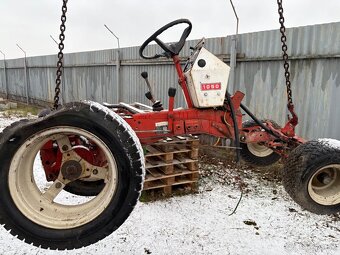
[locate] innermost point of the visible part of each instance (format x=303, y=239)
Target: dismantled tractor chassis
x=94, y=152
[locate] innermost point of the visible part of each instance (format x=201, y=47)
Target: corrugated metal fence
x=315, y=74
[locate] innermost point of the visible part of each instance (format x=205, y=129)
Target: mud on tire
x=311, y=176
x=257, y=154
x=24, y=208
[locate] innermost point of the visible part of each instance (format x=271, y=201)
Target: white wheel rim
x=259, y=150
x=324, y=185
x=56, y=215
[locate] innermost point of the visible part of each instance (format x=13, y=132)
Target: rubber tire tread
x=302, y=163
x=252, y=159
x=122, y=142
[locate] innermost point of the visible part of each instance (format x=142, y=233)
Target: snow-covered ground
x=267, y=221
x=6, y=121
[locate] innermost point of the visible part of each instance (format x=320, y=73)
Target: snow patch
x=6, y=121
x=333, y=143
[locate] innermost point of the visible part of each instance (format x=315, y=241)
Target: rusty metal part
x=274, y=139
x=60, y=55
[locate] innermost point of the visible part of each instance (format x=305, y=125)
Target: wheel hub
x=71, y=170
x=324, y=185
x=324, y=178
x=48, y=205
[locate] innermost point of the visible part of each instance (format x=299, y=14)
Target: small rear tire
x=311, y=176
x=256, y=153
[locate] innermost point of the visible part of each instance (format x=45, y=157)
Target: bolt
x=95, y=171
x=71, y=170
x=64, y=147
x=58, y=185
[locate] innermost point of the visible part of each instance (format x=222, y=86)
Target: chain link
x=60, y=55
x=285, y=55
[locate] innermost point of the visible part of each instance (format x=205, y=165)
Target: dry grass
x=22, y=110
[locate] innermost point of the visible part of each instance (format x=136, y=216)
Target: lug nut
x=58, y=185
x=95, y=171
x=64, y=147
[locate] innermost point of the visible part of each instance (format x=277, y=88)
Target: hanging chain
x=60, y=56
x=285, y=55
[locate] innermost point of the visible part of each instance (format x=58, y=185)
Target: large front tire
x=36, y=213
x=311, y=176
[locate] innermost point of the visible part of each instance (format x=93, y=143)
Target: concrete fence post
x=5, y=74
x=233, y=56
x=26, y=75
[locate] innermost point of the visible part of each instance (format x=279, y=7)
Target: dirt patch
x=221, y=163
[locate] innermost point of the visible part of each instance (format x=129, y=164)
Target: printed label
x=211, y=86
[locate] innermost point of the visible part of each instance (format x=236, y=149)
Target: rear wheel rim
x=27, y=193
x=324, y=185
x=259, y=150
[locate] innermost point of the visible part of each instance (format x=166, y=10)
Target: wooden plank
x=192, y=166
x=152, y=151
x=153, y=185
x=159, y=163
x=169, y=180
x=183, y=182
x=184, y=178
x=168, y=157
x=180, y=149
x=176, y=173
x=171, y=189
x=167, y=190
x=151, y=162
x=193, y=154
x=167, y=147
x=154, y=172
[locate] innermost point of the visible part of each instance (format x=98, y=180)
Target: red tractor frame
x=215, y=122
x=225, y=121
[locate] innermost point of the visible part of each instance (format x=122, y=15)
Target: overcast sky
x=31, y=22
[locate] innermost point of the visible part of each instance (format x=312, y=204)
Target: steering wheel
x=171, y=49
